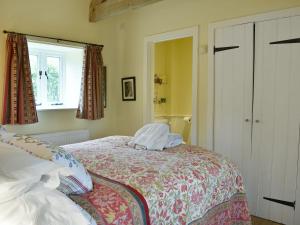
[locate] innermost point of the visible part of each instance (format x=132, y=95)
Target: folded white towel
x=153, y=136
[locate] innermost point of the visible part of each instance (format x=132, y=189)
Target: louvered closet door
x=233, y=98
x=277, y=116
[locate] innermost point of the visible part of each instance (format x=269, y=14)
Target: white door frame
x=211, y=79
x=148, y=85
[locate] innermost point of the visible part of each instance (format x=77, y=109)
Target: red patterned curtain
x=19, y=103
x=91, y=102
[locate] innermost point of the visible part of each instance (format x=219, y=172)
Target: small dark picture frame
x=128, y=89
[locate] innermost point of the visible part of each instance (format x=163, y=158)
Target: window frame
x=42, y=88
x=38, y=70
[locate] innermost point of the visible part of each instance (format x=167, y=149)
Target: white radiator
x=65, y=137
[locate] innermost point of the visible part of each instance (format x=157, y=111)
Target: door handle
x=257, y=121
x=247, y=120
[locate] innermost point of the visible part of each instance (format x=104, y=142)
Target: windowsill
x=55, y=107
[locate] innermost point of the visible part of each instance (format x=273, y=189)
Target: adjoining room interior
x=173, y=85
x=146, y=112
x=170, y=89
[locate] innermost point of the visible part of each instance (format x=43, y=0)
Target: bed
x=180, y=185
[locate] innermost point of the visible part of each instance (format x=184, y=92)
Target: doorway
x=170, y=81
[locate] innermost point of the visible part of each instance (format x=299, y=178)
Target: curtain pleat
x=91, y=103
x=19, y=103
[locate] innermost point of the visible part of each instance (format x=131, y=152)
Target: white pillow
x=78, y=183
x=174, y=140
x=40, y=206
x=4, y=135
x=20, y=171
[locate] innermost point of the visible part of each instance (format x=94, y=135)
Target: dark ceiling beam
x=101, y=9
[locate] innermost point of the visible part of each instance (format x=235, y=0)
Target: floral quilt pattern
x=180, y=185
x=112, y=203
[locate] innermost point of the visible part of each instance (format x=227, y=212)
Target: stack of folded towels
x=155, y=136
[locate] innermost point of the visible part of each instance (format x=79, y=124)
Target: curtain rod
x=57, y=39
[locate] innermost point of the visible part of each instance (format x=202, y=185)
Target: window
x=56, y=75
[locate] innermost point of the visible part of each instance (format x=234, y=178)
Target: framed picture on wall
x=128, y=89
x=104, y=88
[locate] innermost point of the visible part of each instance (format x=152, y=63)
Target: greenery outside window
x=56, y=75
x=47, y=78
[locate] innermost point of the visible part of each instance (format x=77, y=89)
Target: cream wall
x=65, y=19
x=170, y=15
x=173, y=63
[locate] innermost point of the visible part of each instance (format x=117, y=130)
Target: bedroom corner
x=70, y=21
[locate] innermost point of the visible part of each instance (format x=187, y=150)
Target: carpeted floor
x=260, y=221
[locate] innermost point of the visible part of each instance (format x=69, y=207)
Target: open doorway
x=173, y=85
x=170, y=82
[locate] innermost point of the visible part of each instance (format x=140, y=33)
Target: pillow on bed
x=41, y=205
x=78, y=183
x=174, y=140
x=28, y=144
x=20, y=171
x=4, y=135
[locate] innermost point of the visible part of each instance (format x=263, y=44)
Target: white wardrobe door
x=233, y=98
x=277, y=116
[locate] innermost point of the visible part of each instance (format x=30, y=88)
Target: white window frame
x=42, y=56
x=38, y=75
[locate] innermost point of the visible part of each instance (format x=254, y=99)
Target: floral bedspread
x=180, y=185
x=111, y=202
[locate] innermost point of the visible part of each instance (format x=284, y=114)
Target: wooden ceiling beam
x=101, y=9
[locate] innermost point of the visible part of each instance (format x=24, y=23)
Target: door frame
x=148, y=85
x=295, y=11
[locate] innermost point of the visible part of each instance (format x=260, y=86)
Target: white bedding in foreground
x=41, y=206
x=28, y=194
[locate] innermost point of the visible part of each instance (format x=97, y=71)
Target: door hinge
x=220, y=49
x=288, y=41
x=282, y=202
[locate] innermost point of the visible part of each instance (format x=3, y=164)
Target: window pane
x=53, y=82
x=34, y=75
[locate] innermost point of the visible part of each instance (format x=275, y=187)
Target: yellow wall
x=65, y=19
x=161, y=70
x=170, y=15
x=181, y=77
x=173, y=63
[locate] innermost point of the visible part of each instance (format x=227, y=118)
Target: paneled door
x=233, y=99
x=277, y=116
